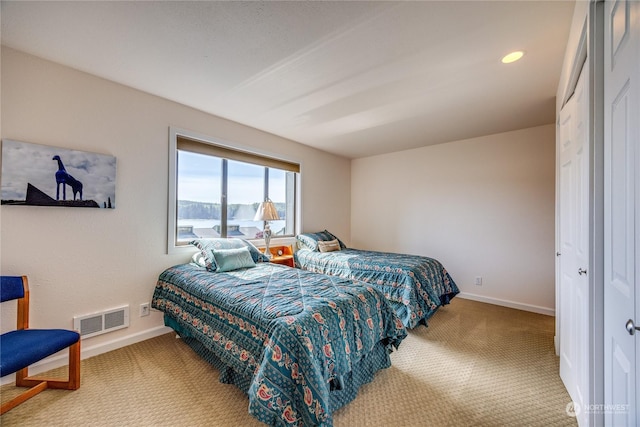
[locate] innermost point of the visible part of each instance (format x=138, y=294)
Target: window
x=217, y=190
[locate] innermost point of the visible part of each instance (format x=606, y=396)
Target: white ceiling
x=352, y=78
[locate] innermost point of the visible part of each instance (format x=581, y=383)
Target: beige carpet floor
x=475, y=365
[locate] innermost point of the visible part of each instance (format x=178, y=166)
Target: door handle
x=581, y=271
x=631, y=328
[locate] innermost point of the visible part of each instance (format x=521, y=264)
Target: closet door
x=574, y=247
x=621, y=212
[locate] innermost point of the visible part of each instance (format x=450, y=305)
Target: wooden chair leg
x=40, y=386
x=21, y=376
x=74, y=366
x=72, y=383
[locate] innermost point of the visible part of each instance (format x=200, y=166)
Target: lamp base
x=267, y=240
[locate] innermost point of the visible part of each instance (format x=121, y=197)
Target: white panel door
x=574, y=247
x=621, y=211
x=567, y=247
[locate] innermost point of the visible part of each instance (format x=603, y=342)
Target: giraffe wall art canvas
x=42, y=175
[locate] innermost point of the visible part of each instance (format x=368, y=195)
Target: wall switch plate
x=145, y=309
x=478, y=281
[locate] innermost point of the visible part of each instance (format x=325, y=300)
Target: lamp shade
x=266, y=212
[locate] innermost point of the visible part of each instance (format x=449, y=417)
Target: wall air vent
x=94, y=324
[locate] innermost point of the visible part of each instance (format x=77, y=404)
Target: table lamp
x=267, y=212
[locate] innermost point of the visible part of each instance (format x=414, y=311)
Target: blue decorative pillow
x=207, y=246
x=233, y=259
x=310, y=240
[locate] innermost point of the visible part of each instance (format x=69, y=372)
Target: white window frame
x=172, y=244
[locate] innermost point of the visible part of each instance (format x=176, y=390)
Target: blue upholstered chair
x=22, y=347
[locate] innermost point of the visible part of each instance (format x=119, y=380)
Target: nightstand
x=281, y=255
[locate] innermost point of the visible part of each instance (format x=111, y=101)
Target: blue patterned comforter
x=414, y=285
x=298, y=343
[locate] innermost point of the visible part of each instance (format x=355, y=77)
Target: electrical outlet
x=145, y=309
x=478, y=281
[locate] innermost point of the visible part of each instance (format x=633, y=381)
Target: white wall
x=81, y=261
x=482, y=206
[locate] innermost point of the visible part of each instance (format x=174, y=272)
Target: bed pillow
x=199, y=259
x=207, y=246
x=255, y=252
x=233, y=259
x=206, y=253
x=330, y=246
x=310, y=240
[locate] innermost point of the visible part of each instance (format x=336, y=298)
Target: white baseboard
x=62, y=358
x=506, y=303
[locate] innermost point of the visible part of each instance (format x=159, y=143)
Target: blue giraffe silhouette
x=62, y=177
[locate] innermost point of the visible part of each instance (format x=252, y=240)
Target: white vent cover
x=99, y=323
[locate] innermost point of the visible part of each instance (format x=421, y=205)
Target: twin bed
x=298, y=343
x=415, y=286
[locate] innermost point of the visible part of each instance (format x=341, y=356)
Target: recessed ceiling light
x=512, y=57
